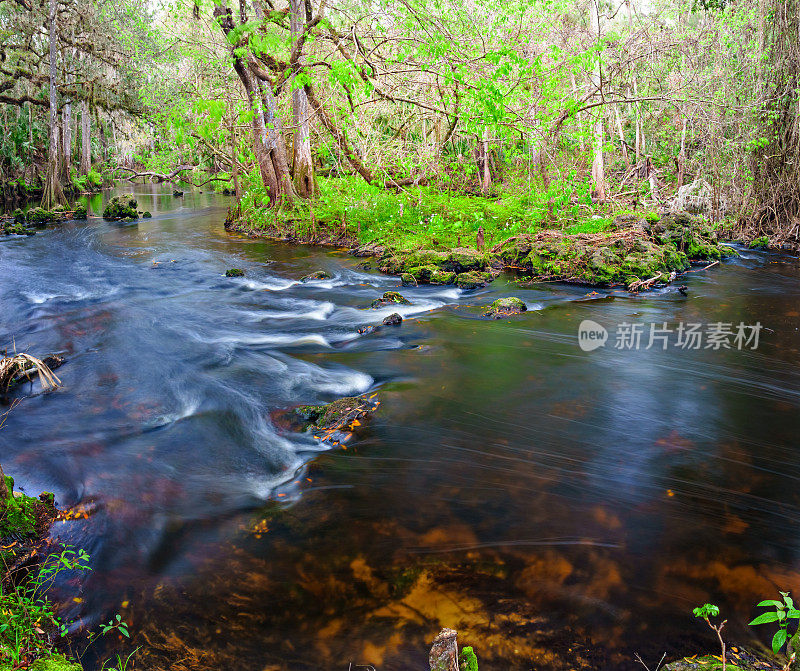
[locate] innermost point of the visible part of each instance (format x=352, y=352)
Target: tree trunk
x=101, y=124
x=302, y=164
x=53, y=194
x=4, y=493
x=482, y=161
x=682, y=154
x=622, y=142
x=86, y=139
x=598, y=167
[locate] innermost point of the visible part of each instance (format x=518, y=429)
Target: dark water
x=560, y=508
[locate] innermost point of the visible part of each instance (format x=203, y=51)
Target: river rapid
x=560, y=508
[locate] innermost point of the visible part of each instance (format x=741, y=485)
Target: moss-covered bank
x=27, y=623
x=630, y=249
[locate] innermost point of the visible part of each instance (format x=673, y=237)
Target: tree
x=53, y=193
x=303, y=163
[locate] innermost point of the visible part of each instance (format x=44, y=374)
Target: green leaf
x=770, y=602
x=764, y=618
x=778, y=640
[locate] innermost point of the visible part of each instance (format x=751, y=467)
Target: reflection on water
x=561, y=509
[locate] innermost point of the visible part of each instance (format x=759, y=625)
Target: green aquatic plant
x=781, y=612
x=706, y=612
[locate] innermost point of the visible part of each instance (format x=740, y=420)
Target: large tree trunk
x=53, y=194
x=86, y=139
x=269, y=144
x=302, y=164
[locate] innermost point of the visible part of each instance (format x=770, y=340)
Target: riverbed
x=560, y=508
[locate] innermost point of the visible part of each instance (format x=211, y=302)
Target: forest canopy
x=575, y=107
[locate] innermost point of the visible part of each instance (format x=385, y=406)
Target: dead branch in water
x=25, y=365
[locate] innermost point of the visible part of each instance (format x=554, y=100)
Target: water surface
x=560, y=508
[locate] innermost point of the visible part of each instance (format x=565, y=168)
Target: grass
x=428, y=217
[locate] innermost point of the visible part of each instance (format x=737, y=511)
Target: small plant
x=468, y=660
x=706, y=612
x=782, y=612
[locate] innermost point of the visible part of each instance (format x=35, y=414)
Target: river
x=561, y=508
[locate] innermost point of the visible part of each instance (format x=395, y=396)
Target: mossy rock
x=759, y=243
x=467, y=659
x=504, y=307
x=177, y=193
x=52, y=663
x=19, y=516
x=442, y=277
x=17, y=229
x=462, y=260
x=39, y=216
x=408, y=279
x=388, y=298
x=146, y=215
x=121, y=208
x=393, y=319
x=19, y=216
x=472, y=280
x=332, y=416
x=624, y=221
x=234, y=272
x=80, y=212
x=316, y=275
x=514, y=251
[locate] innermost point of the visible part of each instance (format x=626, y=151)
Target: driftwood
x=22, y=366
x=161, y=177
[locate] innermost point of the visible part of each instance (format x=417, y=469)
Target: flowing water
x=560, y=508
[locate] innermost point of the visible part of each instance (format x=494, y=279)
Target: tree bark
x=86, y=139
x=598, y=167
x=4, y=493
x=269, y=144
x=482, y=161
x=53, y=193
x=302, y=164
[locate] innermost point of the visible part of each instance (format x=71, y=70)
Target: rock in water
x=503, y=307
x=316, y=275
x=234, y=272
x=444, y=651
x=121, y=208
x=388, y=298
x=393, y=319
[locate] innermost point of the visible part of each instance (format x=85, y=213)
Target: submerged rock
x=234, y=272
x=504, y=307
x=388, y=298
x=121, y=208
x=316, y=275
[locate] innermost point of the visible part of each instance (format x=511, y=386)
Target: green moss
x=54, y=663
x=759, y=243
x=472, y=280
x=388, y=298
x=80, y=212
x=19, y=516
x=234, y=272
x=442, y=277
x=467, y=660
x=146, y=215
x=39, y=216
x=121, y=208
x=503, y=307
x=316, y=275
